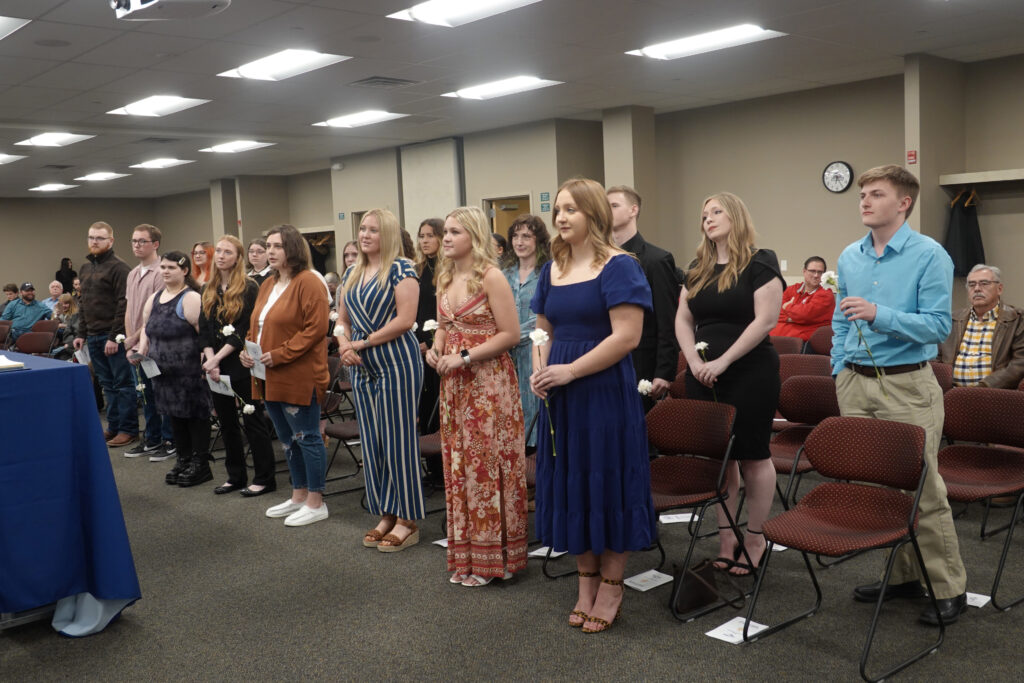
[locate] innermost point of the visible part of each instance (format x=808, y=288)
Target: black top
x=211, y=328
x=427, y=308
x=66, y=278
x=657, y=355
x=104, y=279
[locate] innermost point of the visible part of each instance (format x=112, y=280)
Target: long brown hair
x=437, y=227
x=474, y=221
x=295, y=247
x=740, y=244
x=593, y=202
x=203, y=270
x=234, y=289
x=535, y=224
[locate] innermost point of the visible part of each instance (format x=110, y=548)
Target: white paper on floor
x=647, y=580
x=777, y=548
x=675, y=519
x=443, y=542
x=542, y=552
x=732, y=630
x=977, y=599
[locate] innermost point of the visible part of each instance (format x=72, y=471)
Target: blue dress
x=387, y=391
x=522, y=353
x=594, y=493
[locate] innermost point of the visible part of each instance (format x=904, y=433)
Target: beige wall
x=184, y=219
x=511, y=162
x=366, y=181
x=431, y=181
x=262, y=204
x=771, y=152
x=579, y=149
x=309, y=200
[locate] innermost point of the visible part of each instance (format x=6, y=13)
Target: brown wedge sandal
x=605, y=625
x=373, y=537
x=578, y=613
x=396, y=544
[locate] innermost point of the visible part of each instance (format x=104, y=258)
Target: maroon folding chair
x=797, y=365
x=5, y=331
x=35, y=343
x=787, y=345
x=678, y=387
x=805, y=400
x=943, y=374
x=821, y=341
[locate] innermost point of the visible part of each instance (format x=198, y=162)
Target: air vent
x=159, y=141
x=57, y=167
x=383, y=82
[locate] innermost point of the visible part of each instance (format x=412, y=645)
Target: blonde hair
x=740, y=244
x=390, y=249
x=905, y=183
x=234, y=290
x=474, y=221
x=67, y=299
x=590, y=198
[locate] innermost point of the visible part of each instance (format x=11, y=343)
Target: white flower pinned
x=430, y=325
x=539, y=337
x=645, y=387
x=249, y=409
x=227, y=330
x=119, y=339
x=830, y=280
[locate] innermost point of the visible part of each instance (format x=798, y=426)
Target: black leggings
x=192, y=437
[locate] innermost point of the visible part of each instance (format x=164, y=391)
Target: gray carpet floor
x=228, y=593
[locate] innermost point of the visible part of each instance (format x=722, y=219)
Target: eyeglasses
x=199, y=253
x=971, y=284
x=139, y=243
x=815, y=272
x=98, y=239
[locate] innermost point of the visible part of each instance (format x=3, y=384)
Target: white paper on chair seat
x=542, y=552
x=647, y=580
x=149, y=367
x=221, y=387
x=977, y=599
x=732, y=630
x=443, y=542
x=675, y=519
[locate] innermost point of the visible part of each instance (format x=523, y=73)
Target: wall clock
x=837, y=176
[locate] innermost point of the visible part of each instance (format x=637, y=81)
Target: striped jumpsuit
x=387, y=390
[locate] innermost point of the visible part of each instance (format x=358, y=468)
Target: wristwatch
x=465, y=357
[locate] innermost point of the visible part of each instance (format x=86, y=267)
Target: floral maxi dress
x=482, y=443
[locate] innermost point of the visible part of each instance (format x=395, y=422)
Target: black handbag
x=702, y=588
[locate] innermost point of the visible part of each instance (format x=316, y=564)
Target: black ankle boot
x=180, y=465
x=197, y=472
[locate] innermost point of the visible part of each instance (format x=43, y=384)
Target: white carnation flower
x=430, y=325
x=140, y=387
x=119, y=339
x=539, y=337
x=249, y=409
x=701, y=346
x=227, y=330
x=645, y=387
x=334, y=315
x=830, y=280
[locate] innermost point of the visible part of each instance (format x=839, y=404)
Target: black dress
x=751, y=383
x=429, y=417
x=180, y=389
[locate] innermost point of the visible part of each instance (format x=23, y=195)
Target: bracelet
x=572, y=371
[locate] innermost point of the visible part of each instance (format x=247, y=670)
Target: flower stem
x=551, y=428
x=871, y=357
x=714, y=394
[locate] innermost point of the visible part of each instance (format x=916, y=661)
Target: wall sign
x=341, y=216
x=545, y=196
x=911, y=156
x=544, y=208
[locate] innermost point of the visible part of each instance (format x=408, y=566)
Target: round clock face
x=837, y=176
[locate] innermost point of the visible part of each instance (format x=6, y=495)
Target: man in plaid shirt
x=986, y=344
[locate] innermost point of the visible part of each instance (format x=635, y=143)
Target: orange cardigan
x=295, y=334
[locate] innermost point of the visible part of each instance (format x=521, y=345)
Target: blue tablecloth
x=62, y=532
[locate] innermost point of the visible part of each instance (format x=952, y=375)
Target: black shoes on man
x=949, y=608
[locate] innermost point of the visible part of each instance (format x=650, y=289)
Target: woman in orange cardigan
x=289, y=322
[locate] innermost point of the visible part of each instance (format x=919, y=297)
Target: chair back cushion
x=867, y=450
x=821, y=341
x=984, y=415
x=787, y=345
x=35, y=342
x=792, y=365
x=682, y=426
x=678, y=387
x=943, y=374
x=808, y=399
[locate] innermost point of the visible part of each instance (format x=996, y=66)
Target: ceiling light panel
x=162, y=163
x=237, y=146
x=8, y=158
x=158, y=105
x=707, y=42
x=363, y=118
x=284, y=64
x=99, y=176
x=9, y=25
x=54, y=139
x=457, y=12
x=51, y=187
x=507, y=86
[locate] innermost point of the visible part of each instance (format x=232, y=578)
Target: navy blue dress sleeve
x=401, y=269
x=623, y=282
x=541, y=295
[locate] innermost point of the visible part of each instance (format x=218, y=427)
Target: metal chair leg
x=544, y=567
x=1002, y=607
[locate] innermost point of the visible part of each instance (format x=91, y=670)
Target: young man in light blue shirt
x=895, y=289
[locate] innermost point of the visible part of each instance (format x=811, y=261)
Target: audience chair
x=979, y=471
x=46, y=326
x=678, y=387
x=878, y=461
x=345, y=433
x=5, y=332
x=820, y=342
x=35, y=343
x=805, y=400
x=943, y=374
x=796, y=365
x=787, y=345
x=694, y=440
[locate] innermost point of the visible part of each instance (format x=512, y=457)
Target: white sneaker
x=306, y=515
x=284, y=509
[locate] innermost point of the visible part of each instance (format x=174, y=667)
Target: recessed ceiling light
x=51, y=187
x=9, y=25
x=8, y=158
x=457, y=12
x=363, y=118
x=507, y=86
x=237, y=146
x=162, y=163
x=158, y=105
x=54, y=139
x=706, y=42
x=102, y=175
x=284, y=64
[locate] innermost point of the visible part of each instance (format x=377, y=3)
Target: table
x=62, y=533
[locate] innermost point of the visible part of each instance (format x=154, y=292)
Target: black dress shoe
x=869, y=593
x=249, y=493
x=949, y=608
x=226, y=488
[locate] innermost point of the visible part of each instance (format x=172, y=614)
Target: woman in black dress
x=730, y=302
x=66, y=275
x=429, y=240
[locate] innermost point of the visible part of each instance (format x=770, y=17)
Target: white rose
x=645, y=387
x=539, y=337
x=430, y=325
x=227, y=330
x=701, y=346
x=119, y=339
x=830, y=280
x=249, y=409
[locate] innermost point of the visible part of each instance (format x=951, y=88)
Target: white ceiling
x=75, y=62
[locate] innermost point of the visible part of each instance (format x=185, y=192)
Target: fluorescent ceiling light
x=162, y=163
x=102, y=175
x=457, y=12
x=54, y=139
x=158, y=105
x=507, y=86
x=51, y=187
x=284, y=64
x=706, y=42
x=237, y=146
x=9, y=25
x=363, y=118
x=8, y=158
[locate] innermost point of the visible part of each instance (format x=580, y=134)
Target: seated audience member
x=56, y=289
x=66, y=313
x=807, y=305
x=10, y=294
x=332, y=281
x=986, y=344
x=24, y=312
x=76, y=289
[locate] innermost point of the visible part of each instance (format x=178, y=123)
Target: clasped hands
x=248, y=362
x=443, y=364
x=708, y=372
x=544, y=380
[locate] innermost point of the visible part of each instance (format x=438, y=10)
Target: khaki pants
x=914, y=398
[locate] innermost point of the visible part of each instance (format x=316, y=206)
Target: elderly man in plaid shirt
x=986, y=344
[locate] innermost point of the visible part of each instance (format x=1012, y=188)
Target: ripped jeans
x=298, y=428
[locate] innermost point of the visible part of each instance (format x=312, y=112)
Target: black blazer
x=657, y=355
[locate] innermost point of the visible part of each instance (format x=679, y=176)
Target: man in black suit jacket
x=657, y=355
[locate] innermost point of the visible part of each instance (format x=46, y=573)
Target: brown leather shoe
x=107, y=436
x=123, y=439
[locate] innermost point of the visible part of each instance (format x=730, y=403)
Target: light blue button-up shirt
x=912, y=285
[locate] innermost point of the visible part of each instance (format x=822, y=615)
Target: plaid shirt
x=974, y=357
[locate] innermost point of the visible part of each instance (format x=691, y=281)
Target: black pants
x=192, y=437
x=255, y=426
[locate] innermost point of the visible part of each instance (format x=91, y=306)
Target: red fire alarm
x=911, y=156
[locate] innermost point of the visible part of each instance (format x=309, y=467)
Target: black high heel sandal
x=728, y=563
x=749, y=570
